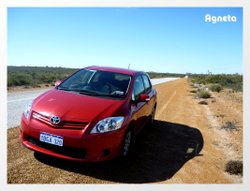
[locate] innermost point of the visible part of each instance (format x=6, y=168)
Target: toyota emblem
x=55, y=120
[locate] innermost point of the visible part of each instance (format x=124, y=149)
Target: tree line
x=35, y=76
x=232, y=81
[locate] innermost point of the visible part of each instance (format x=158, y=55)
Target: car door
x=151, y=93
x=139, y=109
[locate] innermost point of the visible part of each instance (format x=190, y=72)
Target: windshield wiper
x=113, y=95
x=64, y=89
x=87, y=92
x=93, y=93
x=78, y=91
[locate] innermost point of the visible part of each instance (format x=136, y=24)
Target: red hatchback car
x=93, y=115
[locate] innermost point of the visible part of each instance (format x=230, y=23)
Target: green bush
x=32, y=76
x=20, y=79
x=202, y=93
x=35, y=76
x=232, y=81
x=215, y=87
x=164, y=75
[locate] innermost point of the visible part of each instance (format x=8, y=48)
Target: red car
x=93, y=115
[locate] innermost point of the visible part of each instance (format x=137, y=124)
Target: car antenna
x=128, y=66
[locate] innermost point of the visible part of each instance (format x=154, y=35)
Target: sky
x=159, y=39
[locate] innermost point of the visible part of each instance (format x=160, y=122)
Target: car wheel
x=126, y=149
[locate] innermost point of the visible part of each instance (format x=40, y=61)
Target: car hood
x=70, y=106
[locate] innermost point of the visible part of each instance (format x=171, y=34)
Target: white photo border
x=5, y=4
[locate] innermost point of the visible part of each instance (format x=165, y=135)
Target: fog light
x=32, y=141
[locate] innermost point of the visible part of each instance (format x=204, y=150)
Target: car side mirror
x=143, y=98
x=58, y=82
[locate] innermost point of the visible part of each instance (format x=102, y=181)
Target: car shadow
x=160, y=151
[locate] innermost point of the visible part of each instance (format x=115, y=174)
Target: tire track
x=164, y=107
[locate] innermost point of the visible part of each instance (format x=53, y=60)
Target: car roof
x=114, y=69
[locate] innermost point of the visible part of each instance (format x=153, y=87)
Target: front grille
x=62, y=124
x=67, y=151
x=40, y=117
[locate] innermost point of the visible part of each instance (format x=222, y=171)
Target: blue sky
x=151, y=39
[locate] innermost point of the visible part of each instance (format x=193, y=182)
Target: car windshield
x=97, y=83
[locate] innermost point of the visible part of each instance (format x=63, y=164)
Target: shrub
x=202, y=93
x=234, y=167
x=215, y=87
x=19, y=80
x=232, y=81
x=32, y=76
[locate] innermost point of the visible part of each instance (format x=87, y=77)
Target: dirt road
x=161, y=151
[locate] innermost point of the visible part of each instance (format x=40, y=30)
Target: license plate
x=51, y=139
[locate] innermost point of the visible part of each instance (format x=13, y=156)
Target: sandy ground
x=161, y=151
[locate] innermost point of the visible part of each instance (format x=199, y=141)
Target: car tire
x=127, y=144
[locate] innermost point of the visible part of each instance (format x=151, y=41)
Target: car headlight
x=108, y=124
x=27, y=109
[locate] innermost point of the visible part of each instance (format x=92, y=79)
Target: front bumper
x=78, y=144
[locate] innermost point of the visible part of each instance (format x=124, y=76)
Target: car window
x=138, y=87
x=147, y=83
x=97, y=83
x=81, y=77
